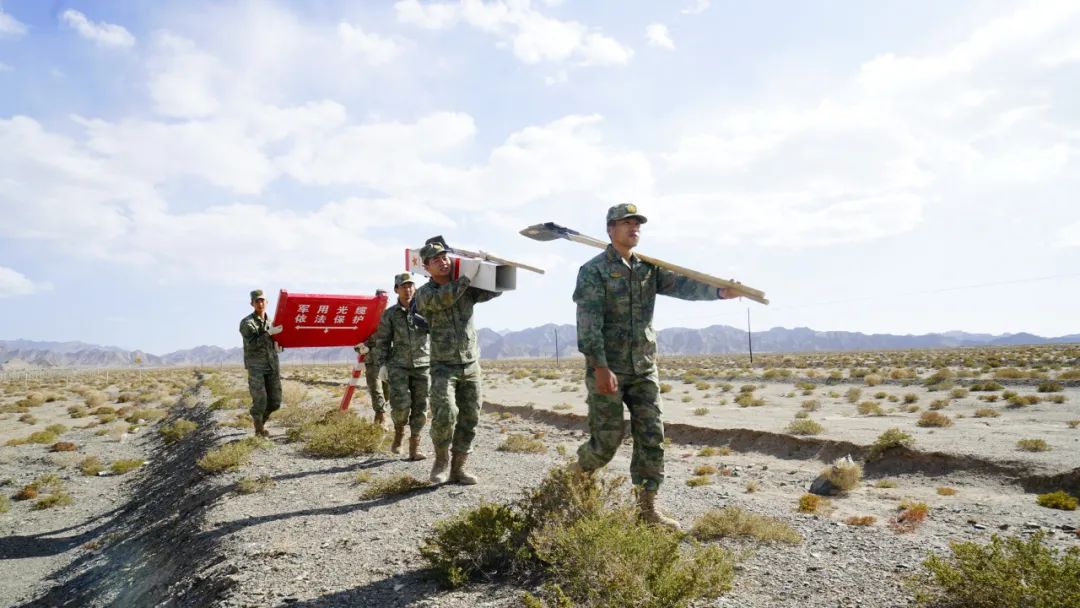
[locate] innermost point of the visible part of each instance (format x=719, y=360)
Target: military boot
x=399, y=434
x=442, y=461
x=414, y=449
x=457, y=470
x=380, y=419
x=259, y=430
x=650, y=514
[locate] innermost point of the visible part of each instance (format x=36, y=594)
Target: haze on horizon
x=900, y=168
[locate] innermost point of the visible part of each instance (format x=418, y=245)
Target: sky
x=897, y=167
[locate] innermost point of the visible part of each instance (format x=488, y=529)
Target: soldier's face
x=405, y=292
x=259, y=306
x=439, y=266
x=625, y=232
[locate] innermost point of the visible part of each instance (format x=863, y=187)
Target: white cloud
x=104, y=34
x=10, y=26
x=696, y=7
x=14, y=283
x=377, y=50
x=657, y=35
x=185, y=81
x=533, y=36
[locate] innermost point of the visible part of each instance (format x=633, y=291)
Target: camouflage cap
x=257, y=295
x=380, y=292
x=431, y=250
x=403, y=278
x=623, y=211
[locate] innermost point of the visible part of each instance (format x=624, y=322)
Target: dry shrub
x=812, y=503
x=934, y=419
x=939, y=404
x=125, y=465
x=805, y=427
x=251, y=485
x=860, y=520
x=63, y=446
x=91, y=466
x=733, y=522
x=5, y=504
x=870, y=408
x=872, y=379
x=700, y=480
x=520, y=444
x=708, y=451
x=57, y=499
x=946, y=491
x=705, y=469
x=853, y=394
x=911, y=516
x=1006, y=572
x=844, y=474
x=987, y=412
x=811, y=405
x=891, y=438
x=885, y=483
x=293, y=393
x=145, y=415
x=1033, y=445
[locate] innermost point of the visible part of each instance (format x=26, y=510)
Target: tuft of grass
x=885, y=483
x=5, y=504
x=231, y=455
x=63, y=446
x=910, y=398
x=845, y=474
x=562, y=406
x=860, y=520
x=939, y=404
x=733, y=522
x=251, y=485
x=665, y=387
x=946, y=491
x=342, y=434
x=177, y=430
x=1073, y=423
x=91, y=466
x=521, y=444
x=1057, y=500
x=1006, y=572
x=701, y=411
x=987, y=412
x=1033, y=445
x=853, y=394
x=125, y=465
x=708, y=451
x=1049, y=387
x=392, y=486
x=752, y=486
x=700, y=480
x=805, y=427
x=57, y=499
x=934, y=419
x=912, y=514
x=870, y=408
x=958, y=393
x=812, y=503
x=811, y=405
x=705, y=469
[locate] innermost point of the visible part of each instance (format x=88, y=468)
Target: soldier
x=455, y=363
x=261, y=361
x=401, y=346
x=376, y=378
x=615, y=296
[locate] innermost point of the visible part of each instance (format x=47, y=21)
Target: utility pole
x=749, y=339
x=556, y=346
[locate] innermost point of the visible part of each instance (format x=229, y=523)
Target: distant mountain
x=535, y=342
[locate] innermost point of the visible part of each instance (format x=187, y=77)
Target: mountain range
x=534, y=342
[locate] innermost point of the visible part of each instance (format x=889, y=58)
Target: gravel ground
x=310, y=540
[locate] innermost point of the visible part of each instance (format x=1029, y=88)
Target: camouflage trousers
x=455, y=405
x=641, y=395
x=265, y=388
x=376, y=389
x=409, y=397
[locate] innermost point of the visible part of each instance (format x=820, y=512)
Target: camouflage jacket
x=369, y=358
x=449, y=313
x=402, y=339
x=615, y=309
x=260, y=351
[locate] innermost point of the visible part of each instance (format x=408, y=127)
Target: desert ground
x=119, y=490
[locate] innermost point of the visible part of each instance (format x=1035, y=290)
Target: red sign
x=310, y=319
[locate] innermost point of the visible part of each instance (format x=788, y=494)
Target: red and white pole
x=353, y=383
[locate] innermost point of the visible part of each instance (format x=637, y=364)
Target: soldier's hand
x=727, y=293
x=606, y=382
x=361, y=348
x=275, y=329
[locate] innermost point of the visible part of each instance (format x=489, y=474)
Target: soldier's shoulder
x=250, y=317
x=597, y=261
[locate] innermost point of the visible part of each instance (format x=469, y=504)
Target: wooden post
x=749, y=339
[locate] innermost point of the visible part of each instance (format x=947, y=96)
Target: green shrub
x=177, y=430
x=1049, y=387
x=805, y=427
x=521, y=444
x=392, y=486
x=733, y=522
x=91, y=466
x=231, y=455
x=611, y=560
x=485, y=540
x=1005, y=572
x=891, y=438
x=125, y=465
x=1033, y=445
x=57, y=499
x=1057, y=500
x=342, y=434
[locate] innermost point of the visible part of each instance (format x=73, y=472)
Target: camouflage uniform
x=401, y=344
x=455, y=361
x=261, y=361
x=614, y=327
x=376, y=388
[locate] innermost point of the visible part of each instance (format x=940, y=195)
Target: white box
x=490, y=277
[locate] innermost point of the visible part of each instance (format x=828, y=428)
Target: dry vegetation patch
x=733, y=522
